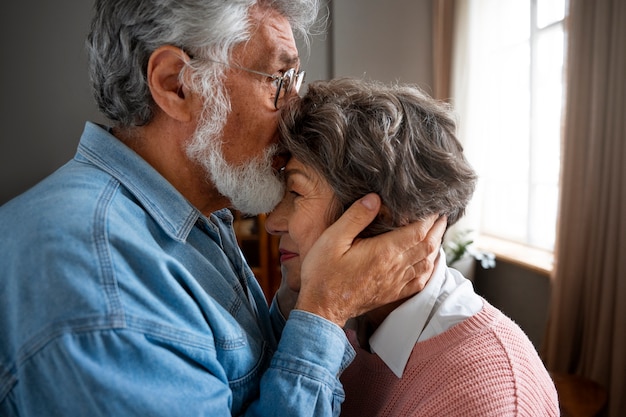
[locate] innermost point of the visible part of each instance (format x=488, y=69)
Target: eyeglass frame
x=290, y=74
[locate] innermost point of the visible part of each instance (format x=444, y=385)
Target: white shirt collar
x=447, y=299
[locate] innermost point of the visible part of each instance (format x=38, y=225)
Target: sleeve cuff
x=313, y=345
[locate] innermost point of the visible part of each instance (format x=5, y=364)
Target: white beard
x=253, y=187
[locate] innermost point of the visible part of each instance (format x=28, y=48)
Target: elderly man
x=123, y=291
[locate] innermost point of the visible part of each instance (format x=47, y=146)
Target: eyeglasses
x=285, y=84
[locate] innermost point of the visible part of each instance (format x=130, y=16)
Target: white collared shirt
x=447, y=300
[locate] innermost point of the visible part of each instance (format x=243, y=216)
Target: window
x=508, y=93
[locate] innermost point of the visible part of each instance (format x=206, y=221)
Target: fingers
x=356, y=218
x=417, y=276
x=425, y=254
x=428, y=243
x=411, y=236
x=343, y=277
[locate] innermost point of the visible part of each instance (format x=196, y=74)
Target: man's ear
x=164, y=68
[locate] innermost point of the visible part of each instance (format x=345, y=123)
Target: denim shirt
x=119, y=298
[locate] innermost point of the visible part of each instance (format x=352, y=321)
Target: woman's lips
x=285, y=255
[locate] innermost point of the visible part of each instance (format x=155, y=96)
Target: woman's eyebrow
x=296, y=171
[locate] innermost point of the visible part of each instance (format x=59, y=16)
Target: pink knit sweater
x=484, y=366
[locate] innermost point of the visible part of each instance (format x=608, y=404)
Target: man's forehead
x=272, y=32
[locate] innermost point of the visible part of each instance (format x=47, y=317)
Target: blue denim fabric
x=119, y=298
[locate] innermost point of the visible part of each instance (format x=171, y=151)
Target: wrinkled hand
x=343, y=277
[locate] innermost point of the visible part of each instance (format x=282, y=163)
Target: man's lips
x=285, y=255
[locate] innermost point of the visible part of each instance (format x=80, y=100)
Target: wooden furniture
x=261, y=251
x=579, y=396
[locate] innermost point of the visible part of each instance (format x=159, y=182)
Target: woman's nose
x=276, y=221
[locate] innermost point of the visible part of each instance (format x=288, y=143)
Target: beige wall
x=384, y=40
x=45, y=97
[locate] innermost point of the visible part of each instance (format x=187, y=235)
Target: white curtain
x=587, y=328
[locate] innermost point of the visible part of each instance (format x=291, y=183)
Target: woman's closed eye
x=298, y=184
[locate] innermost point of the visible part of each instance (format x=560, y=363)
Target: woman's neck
x=367, y=323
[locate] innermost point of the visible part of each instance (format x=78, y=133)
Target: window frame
x=537, y=258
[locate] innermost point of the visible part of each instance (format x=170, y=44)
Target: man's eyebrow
x=288, y=58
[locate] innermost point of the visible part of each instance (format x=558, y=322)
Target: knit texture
x=484, y=366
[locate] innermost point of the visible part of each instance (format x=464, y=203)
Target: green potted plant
x=463, y=256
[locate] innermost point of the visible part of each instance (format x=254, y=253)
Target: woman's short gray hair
x=124, y=33
x=394, y=140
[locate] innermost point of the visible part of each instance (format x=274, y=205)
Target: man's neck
x=163, y=147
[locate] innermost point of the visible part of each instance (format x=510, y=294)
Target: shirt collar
x=394, y=339
x=159, y=198
x=447, y=300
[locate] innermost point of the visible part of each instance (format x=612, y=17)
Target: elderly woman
x=445, y=351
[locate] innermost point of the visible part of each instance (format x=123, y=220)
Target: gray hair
x=363, y=136
x=124, y=33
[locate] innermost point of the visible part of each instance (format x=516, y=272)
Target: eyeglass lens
x=291, y=80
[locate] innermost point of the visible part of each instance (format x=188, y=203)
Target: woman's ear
x=163, y=76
